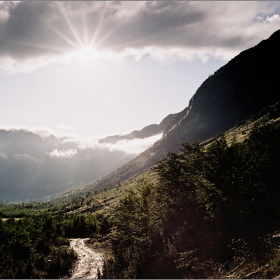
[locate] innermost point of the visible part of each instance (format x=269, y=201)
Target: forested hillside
x=212, y=209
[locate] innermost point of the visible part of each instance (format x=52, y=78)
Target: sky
x=93, y=69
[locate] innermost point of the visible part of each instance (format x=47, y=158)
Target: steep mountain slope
x=245, y=85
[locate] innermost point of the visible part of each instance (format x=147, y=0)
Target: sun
x=85, y=54
x=85, y=42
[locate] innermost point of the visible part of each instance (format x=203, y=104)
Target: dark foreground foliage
x=209, y=208
x=37, y=247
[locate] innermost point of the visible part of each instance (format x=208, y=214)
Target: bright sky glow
x=86, y=54
x=101, y=68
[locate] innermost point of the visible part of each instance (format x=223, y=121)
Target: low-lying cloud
x=33, y=167
x=62, y=153
x=134, y=146
x=63, y=139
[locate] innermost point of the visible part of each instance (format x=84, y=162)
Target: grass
x=110, y=197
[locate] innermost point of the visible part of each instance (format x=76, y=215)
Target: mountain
x=242, y=87
x=147, y=131
x=34, y=167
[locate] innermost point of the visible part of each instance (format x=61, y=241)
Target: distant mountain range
x=33, y=167
x=242, y=87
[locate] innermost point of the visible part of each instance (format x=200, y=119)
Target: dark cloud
x=159, y=24
x=32, y=29
x=23, y=29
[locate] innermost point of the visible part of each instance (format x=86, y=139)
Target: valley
x=85, y=202
x=201, y=202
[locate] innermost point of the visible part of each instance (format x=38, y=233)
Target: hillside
x=245, y=85
x=149, y=218
x=212, y=213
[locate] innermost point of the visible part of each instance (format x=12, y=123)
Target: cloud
x=135, y=146
x=63, y=127
x=3, y=155
x=36, y=33
x=25, y=156
x=272, y=18
x=62, y=153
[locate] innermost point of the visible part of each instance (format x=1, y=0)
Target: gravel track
x=88, y=260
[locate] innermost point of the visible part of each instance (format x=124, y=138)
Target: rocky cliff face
x=242, y=87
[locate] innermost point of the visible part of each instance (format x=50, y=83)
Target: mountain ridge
x=147, y=131
x=243, y=86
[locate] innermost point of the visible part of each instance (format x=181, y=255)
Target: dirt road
x=88, y=260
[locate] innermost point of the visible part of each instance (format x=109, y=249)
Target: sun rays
x=88, y=34
x=85, y=44
x=81, y=40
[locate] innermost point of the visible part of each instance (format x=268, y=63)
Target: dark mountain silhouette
x=242, y=87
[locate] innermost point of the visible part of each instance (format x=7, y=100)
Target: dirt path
x=88, y=260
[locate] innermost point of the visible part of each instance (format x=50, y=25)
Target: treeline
x=37, y=247
x=209, y=207
x=56, y=206
x=81, y=226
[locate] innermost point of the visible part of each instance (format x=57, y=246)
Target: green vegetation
x=209, y=211
x=37, y=247
x=85, y=203
x=210, y=214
